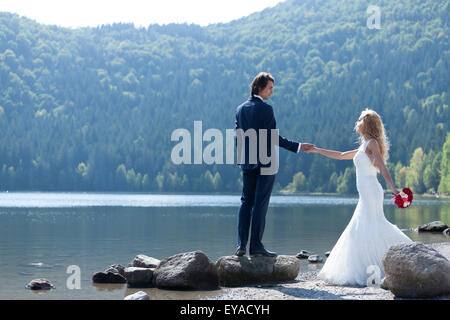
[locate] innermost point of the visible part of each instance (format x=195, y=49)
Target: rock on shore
x=189, y=270
x=414, y=270
x=236, y=271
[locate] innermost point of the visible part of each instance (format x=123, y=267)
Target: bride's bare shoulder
x=372, y=146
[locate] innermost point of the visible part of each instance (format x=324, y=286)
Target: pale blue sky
x=76, y=13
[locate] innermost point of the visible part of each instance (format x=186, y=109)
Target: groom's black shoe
x=239, y=252
x=264, y=253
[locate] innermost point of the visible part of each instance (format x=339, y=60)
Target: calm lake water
x=41, y=234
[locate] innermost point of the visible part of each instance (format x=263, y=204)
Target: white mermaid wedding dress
x=367, y=236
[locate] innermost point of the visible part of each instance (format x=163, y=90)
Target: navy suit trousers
x=254, y=204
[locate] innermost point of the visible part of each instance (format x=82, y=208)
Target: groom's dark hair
x=260, y=82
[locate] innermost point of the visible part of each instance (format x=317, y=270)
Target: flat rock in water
x=237, y=271
x=327, y=254
x=414, y=270
x=435, y=226
x=189, y=270
x=40, y=284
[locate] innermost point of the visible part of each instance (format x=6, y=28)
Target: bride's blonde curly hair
x=371, y=127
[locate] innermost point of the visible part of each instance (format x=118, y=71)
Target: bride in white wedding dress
x=368, y=235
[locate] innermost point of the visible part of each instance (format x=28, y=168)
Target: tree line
x=93, y=109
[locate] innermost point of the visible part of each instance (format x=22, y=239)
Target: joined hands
x=311, y=148
x=307, y=147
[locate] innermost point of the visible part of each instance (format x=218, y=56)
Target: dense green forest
x=93, y=109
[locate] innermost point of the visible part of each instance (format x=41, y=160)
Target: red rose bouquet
x=404, y=199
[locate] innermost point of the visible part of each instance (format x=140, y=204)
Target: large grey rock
x=189, y=270
x=40, y=284
x=139, y=277
x=441, y=247
x=435, y=226
x=236, y=271
x=143, y=261
x=108, y=277
x=140, y=295
x=413, y=270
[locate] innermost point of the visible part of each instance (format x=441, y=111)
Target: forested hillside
x=94, y=108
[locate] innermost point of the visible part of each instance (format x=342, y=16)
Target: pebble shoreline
x=308, y=287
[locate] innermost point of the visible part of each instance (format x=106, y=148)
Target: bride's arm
x=346, y=155
x=379, y=163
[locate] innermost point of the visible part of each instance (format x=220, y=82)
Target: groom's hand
x=307, y=146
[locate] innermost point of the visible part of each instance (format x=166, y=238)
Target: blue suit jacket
x=256, y=114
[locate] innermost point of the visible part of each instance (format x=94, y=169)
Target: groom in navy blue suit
x=257, y=187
